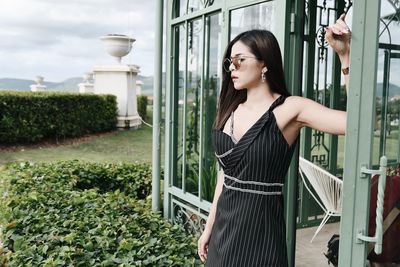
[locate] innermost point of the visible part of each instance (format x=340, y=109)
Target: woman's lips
x=234, y=78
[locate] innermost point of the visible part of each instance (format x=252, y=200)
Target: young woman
x=256, y=131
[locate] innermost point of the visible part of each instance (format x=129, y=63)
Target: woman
x=256, y=131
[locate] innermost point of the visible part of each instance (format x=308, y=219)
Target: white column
x=119, y=80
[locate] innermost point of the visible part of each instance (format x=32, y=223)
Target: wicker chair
x=327, y=187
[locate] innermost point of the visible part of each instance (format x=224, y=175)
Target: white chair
x=327, y=186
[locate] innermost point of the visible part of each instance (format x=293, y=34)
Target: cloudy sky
x=60, y=39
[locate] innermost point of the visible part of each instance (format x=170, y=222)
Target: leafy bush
x=81, y=214
x=142, y=106
x=27, y=117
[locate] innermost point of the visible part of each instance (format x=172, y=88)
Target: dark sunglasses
x=236, y=61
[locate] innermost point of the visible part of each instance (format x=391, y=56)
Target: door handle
x=379, y=205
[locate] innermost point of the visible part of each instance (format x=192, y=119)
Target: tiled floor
x=311, y=254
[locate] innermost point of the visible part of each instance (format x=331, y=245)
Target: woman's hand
x=338, y=36
x=202, y=245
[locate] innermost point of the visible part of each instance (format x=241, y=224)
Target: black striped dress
x=249, y=227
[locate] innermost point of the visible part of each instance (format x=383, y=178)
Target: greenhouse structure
x=197, y=32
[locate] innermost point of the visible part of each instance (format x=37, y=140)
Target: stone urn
x=88, y=77
x=117, y=45
x=39, y=80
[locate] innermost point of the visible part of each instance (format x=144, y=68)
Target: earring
x=263, y=76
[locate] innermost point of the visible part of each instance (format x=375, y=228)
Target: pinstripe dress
x=249, y=227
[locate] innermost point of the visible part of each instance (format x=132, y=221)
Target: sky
x=60, y=39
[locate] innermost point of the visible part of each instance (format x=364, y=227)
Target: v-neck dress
x=249, y=227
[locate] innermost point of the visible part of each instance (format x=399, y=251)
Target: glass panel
x=260, y=16
x=386, y=132
x=193, y=96
x=211, y=86
x=323, y=80
x=183, y=7
x=194, y=5
x=179, y=112
x=180, y=8
x=393, y=111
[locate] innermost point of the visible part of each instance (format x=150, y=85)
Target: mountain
x=69, y=85
x=394, y=90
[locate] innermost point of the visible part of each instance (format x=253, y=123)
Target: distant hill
x=394, y=90
x=69, y=85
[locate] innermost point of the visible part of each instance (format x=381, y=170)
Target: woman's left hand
x=338, y=36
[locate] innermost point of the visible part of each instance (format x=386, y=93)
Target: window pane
x=211, y=87
x=386, y=132
x=260, y=16
x=183, y=7
x=179, y=112
x=193, y=100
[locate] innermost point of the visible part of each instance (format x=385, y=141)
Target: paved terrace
x=311, y=254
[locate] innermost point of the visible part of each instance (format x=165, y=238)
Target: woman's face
x=248, y=74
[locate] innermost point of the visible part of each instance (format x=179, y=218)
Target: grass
x=392, y=148
x=119, y=146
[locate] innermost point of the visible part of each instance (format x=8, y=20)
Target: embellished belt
x=219, y=157
x=253, y=186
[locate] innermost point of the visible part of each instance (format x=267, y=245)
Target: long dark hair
x=264, y=47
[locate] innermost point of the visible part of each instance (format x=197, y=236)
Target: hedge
x=27, y=117
x=142, y=102
x=85, y=214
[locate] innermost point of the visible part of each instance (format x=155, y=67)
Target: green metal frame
x=360, y=118
x=156, y=135
x=360, y=114
x=172, y=83
x=310, y=213
x=291, y=66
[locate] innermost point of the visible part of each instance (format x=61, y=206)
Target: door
x=372, y=137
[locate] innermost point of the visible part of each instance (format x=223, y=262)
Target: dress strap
x=277, y=102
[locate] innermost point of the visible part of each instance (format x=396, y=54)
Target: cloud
x=60, y=39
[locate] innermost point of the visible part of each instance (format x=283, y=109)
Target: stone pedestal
x=119, y=80
x=38, y=88
x=86, y=87
x=139, y=87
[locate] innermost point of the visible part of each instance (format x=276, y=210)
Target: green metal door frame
x=316, y=53
x=360, y=119
x=171, y=94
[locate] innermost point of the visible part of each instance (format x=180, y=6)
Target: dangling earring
x=263, y=76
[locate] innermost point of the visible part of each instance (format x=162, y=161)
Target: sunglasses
x=236, y=61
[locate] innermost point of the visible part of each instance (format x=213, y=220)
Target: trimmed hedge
x=142, y=102
x=84, y=214
x=27, y=117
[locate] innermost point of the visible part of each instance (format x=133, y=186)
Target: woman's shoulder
x=296, y=101
x=293, y=99
x=293, y=105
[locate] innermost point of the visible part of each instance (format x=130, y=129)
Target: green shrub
x=142, y=106
x=81, y=214
x=27, y=117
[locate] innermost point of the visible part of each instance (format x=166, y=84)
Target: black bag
x=333, y=250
